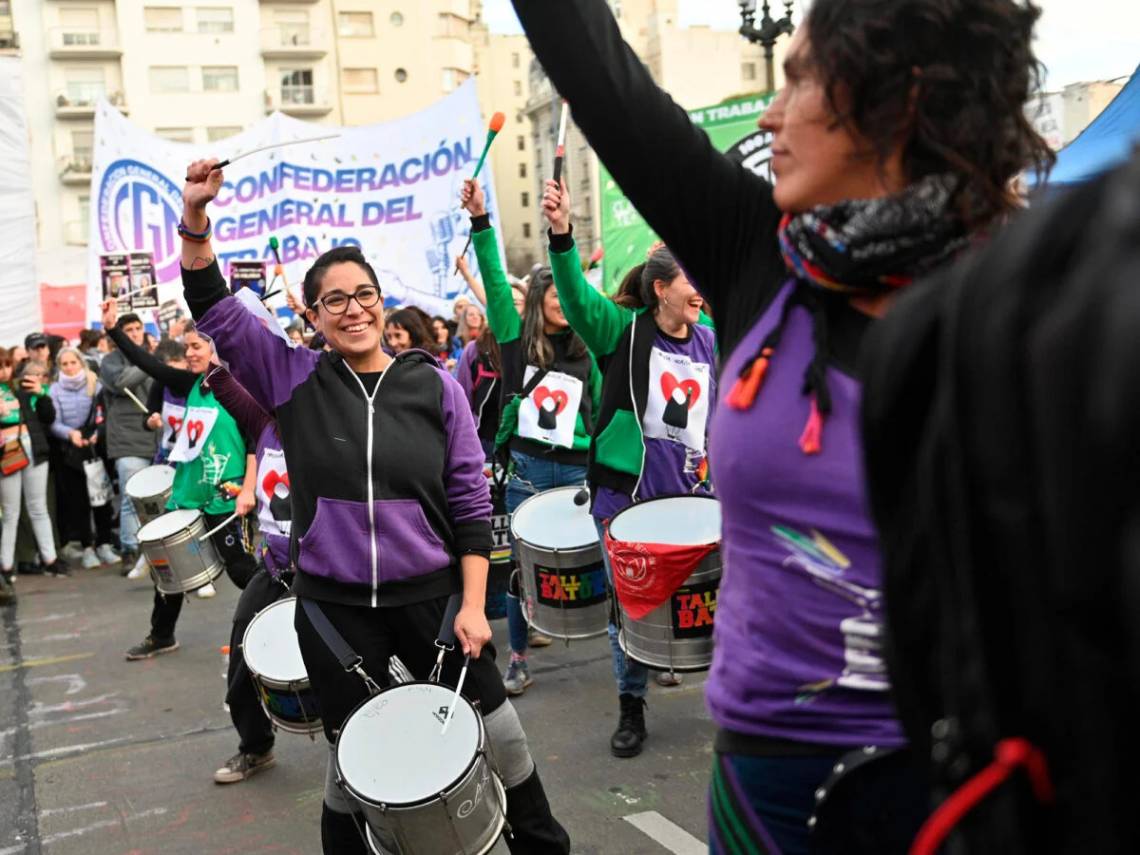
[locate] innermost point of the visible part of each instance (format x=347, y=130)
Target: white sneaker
x=206, y=591
x=72, y=551
x=107, y=554
x=90, y=559
x=141, y=570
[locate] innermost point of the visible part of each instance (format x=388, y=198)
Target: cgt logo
x=138, y=210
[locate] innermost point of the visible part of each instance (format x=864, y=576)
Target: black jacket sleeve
x=154, y=398
x=718, y=218
x=203, y=288
x=177, y=380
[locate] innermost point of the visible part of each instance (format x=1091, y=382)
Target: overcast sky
x=1076, y=39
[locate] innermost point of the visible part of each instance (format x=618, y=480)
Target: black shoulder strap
x=348, y=658
x=533, y=384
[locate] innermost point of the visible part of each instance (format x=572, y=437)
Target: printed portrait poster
x=167, y=313
x=144, y=289
x=551, y=411
x=678, y=405
x=195, y=431
x=247, y=274
x=115, y=274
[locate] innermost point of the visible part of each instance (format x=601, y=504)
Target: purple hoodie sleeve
x=463, y=371
x=250, y=416
x=468, y=496
x=264, y=363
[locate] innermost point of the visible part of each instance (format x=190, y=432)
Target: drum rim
x=163, y=466
x=272, y=682
x=531, y=543
x=198, y=518
x=644, y=502
x=368, y=800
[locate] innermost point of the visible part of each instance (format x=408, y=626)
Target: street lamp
x=767, y=32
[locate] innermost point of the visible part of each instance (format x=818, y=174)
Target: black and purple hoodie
x=386, y=469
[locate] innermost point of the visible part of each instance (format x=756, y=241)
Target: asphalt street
x=101, y=755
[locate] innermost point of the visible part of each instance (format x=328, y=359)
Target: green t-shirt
x=9, y=399
x=222, y=458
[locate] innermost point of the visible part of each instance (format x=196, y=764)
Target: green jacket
x=506, y=325
x=222, y=459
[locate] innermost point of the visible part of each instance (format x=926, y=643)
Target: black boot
x=340, y=833
x=630, y=733
x=534, y=830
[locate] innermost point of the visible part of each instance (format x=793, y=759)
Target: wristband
x=196, y=237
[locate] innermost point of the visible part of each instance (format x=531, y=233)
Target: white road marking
x=668, y=834
x=75, y=683
x=72, y=809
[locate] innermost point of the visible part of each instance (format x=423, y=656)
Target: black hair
x=128, y=318
x=636, y=290
x=339, y=255
x=950, y=77
x=536, y=343
x=169, y=350
x=411, y=319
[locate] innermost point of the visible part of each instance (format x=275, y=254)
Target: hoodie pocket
x=336, y=543
x=407, y=545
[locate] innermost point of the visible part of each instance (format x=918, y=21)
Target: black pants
x=240, y=567
x=252, y=724
x=410, y=632
x=74, y=511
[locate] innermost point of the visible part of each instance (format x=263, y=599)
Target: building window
x=401, y=75
x=524, y=199
x=182, y=135
x=518, y=87
x=515, y=61
x=219, y=78
x=221, y=133
x=518, y=118
x=292, y=27
x=355, y=25
x=748, y=70
x=162, y=19
x=84, y=211
x=521, y=142
x=215, y=19
x=526, y=230
x=82, y=147
x=397, y=19
x=360, y=81
x=169, y=78
x=84, y=85
x=79, y=26
x=297, y=86
x=522, y=170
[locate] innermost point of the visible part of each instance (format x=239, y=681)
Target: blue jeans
x=125, y=467
x=632, y=677
x=532, y=475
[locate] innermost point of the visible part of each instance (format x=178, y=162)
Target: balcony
x=298, y=101
x=75, y=233
x=73, y=43
x=78, y=102
x=289, y=42
x=75, y=169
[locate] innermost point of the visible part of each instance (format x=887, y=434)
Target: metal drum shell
x=194, y=562
x=153, y=505
x=301, y=690
x=651, y=641
x=568, y=624
x=426, y=826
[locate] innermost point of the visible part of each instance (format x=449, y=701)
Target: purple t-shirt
x=682, y=395
x=798, y=626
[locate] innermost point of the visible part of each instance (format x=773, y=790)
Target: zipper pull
x=371, y=409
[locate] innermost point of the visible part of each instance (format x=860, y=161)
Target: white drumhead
x=551, y=520
x=152, y=481
x=676, y=520
x=390, y=750
x=270, y=645
x=169, y=523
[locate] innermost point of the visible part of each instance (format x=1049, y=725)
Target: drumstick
x=458, y=689
x=560, y=151
x=224, y=163
x=220, y=526
x=138, y=403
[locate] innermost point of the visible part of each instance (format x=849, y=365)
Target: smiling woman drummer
x=391, y=512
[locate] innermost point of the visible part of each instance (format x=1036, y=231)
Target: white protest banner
x=392, y=189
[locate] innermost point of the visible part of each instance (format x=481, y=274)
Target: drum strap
x=348, y=658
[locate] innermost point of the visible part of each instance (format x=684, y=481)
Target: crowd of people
x=727, y=365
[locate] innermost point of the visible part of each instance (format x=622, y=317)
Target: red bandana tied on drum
x=647, y=574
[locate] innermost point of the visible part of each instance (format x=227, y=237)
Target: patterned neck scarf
x=860, y=247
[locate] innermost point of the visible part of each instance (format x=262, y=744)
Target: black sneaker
x=57, y=568
x=27, y=568
x=7, y=590
x=242, y=766
x=130, y=558
x=151, y=648
x=630, y=733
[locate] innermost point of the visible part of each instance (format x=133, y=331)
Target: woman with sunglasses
x=391, y=512
x=895, y=142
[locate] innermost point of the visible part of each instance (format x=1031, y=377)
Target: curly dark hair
x=950, y=77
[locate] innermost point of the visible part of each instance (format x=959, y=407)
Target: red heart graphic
x=194, y=431
x=560, y=398
x=174, y=422
x=272, y=479
x=691, y=388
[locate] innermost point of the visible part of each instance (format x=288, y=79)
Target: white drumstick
x=138, y=403
x=229, y=160
x=220, y=526
x=458, y=689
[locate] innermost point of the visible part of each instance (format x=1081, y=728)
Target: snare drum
x=565, y=593
x=432, y=793
x=651, y=543
x=149, y=489
x=179, y=560
x=273, y=657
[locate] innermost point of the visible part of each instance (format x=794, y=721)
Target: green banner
x=625, y=235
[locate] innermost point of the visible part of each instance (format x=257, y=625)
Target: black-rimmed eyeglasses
x=336, y=302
